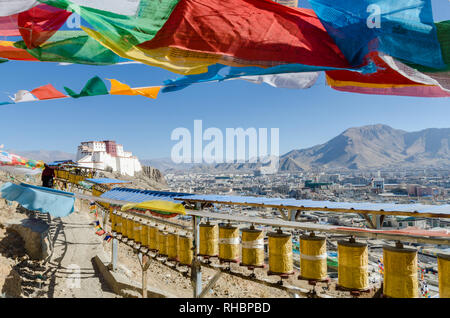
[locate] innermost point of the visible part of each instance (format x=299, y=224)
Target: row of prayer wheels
x=175, y=247
x=224, y=243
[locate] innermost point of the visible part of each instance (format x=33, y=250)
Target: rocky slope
x=375, y=146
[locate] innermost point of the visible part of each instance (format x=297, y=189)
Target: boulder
x=34, y=233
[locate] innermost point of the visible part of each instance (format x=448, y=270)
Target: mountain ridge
x=364, y=147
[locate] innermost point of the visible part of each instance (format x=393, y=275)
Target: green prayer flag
x=127, y=31
x=79, y=50
x=95, y=86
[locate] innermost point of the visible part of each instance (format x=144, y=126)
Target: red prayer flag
x=39, y=23
x=12, y=53
x=47, y=92
x=384, y=75
x=254, y=30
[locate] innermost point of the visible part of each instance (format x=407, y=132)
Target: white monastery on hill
x=107, y=154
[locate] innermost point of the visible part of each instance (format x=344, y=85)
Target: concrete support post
x=114, y=253
x=196, y=270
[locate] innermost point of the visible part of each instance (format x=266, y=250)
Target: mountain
x=44, y=155
x=366, y=147
x=374, y=146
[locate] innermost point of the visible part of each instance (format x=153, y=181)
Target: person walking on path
x=47, y=177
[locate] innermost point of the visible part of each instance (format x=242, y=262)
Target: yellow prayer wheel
x=172, y=247
x=112, y=217
x=353, y=260
x=208, y=240
x=163, y=243
x=137, y=229
x=153, y=238
x=144, y=234
x=400, y=272
x=228, y=243
x=117, y=221
x=130, y=227
x=444, y=275
x=124, y=225
x=185, y=252
x=280, y=253
x=252, y=247
x=313, y=257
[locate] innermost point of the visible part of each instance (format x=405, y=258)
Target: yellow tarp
x=118, y=88
x=163, y=206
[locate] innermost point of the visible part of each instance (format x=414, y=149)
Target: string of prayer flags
x=94, y=87
x=9, y=159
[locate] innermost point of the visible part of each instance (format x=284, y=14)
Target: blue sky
x=304, y=117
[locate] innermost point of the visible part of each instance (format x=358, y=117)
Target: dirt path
x=72, y=273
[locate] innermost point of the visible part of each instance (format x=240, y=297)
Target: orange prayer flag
x=9, y=51
x=118, y=88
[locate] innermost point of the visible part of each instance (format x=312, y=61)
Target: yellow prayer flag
x=157, y=205
x=338, y=83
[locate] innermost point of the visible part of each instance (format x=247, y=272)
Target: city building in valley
x=107, y=155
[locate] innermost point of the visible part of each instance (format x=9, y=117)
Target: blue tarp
x=406, y=29
x=138, y=196
x=46, y=200
x=106, y=181
x=59, y=162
